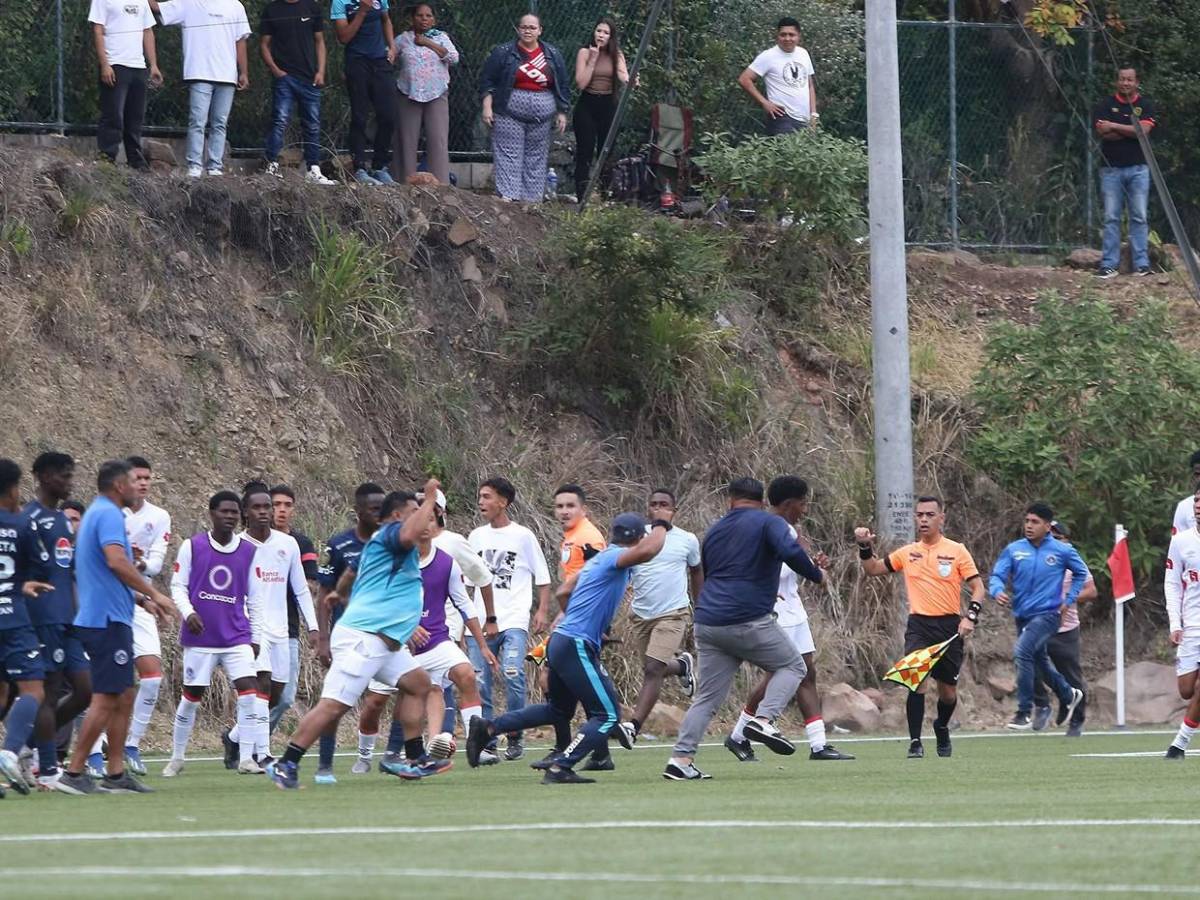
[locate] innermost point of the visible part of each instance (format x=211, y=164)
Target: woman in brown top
x=599, y=69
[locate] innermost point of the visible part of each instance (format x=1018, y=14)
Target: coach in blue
x=589, y=600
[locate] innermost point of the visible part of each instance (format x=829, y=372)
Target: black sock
x=414, y=748
x=945, y=711
x=293, y=753
x=916, y=715
x=637, y=726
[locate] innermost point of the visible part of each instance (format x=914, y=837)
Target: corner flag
x=1120, y=567
x=912, y=670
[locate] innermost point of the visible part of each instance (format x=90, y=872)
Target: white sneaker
x=273, y=169
x=195, y=171
x=215, y=173
x=488, y=758
x=361, y=767
x=28, y=766
x=49, y=782
x=250, y=767
x=316, y=176
x=172, y=768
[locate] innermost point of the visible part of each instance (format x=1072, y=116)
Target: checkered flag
x=912, y=670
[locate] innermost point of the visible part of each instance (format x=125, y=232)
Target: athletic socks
x=366, y=745
x=242, y=733
x=48, y=756
x=743, y=717
x=293, y=754
x=916, y=715
x=262, y=725
x=19, y=722
x=562, y=734
x=945, y=711
x=814, y=730
x=449, y=715
x=185, y=721
x=414, y=748
x=1186, y=730
x=395, y=737
x=468, y=713
x=143, y=709
x=325, y=748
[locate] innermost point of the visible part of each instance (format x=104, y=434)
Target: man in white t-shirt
x=517, y=563
x=123, y=31
x=787, y=69
x=1185, y=518
x=214, y=66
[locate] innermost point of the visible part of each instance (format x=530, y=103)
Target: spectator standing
x=364, y=28
x=1124, y=176
x=424, y=55
x=599, y=69
x=524, y=86
x=787, y=70
x=214, y=66
x=124, y=34
x=292, y=45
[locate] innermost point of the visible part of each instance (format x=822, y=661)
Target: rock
x=946, y=258
x=290, y=157
x=493, y=306
x=422, y=178
x=851, y=709
x=160, y=155
x=875, y=695
x=664, y=719
x=463, y=231
x=1151, y=695
x=277, y=391
x=1001, y=686
x=470, y=270
x=1084, y=258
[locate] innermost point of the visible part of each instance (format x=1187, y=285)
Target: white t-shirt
x=124, y=23
x=660, y=586
x=517, y=563
x=786, y=76
x=211, y=30
x=276, y=565
x=789, y=610
x=149, y=530
x=1185, y=515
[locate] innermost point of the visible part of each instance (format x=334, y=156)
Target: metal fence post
x=952, y=27
x=59, y=92
x=1089, y=145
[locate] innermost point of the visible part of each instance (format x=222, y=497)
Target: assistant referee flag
x=912, y=670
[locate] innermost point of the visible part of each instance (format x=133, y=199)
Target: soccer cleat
x=604, y=764
x=95, y=765
x=942, y=733
x=625, y=734
x=546, y=761
x=400, y=768
x=10, y=767
x=1174, y=752
x=565, y=776
x=916, y=750
x=513, y=749
x=133, y=761
x=478, y=734
x=231, y=750
x=741, y=749
x=382, y=176
x=1020, y=722
x=829, y=752
x=124, y=783
x=765, y=733
x=1075, y=729
x=173, y=768
x=488, y=758
x=1106, y=273
x=252, y=767
x=316, y=176
x=427, y=766
x=537, y=653
x=442, y=746
x=273, y=169
x=78, y=785
x=286, y=775
x=1041, y=717
x=362, y=176
x=1065, y=709
x=675, y=772
x=322, y=776
x=687, y=674
x=362, y=766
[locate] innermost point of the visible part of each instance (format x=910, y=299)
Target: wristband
x=661, y=522
x=973, y=609
x=490, y=620
x=865, y=551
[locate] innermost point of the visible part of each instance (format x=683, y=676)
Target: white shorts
x=275, y=656
x=1187, y=656
x=436, y=662
x=145, y=634
x=360, y=658
x=199, y=663
x=801, y=637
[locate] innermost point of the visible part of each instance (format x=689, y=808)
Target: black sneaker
x=79, y=785
x=689, y=772
x=1141, y=273
x=1065, y=709
x=769, y=736
x=1020, y=722
x=231, y=750
x=122, y=784
x=1174, y=752
x=687, y=674
x=1075, y=729
x=546, y=761
x=916, y=750
x=741, y=749
x=565, y=776
x=478, y=735
x=1106, y=273
x=1041, y=717
x=829, y=752
x=625, y=734
x=604, y=764
x=513, y=749
x=942, y=733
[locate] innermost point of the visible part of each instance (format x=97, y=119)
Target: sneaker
x=1174, y=752
x=676, y=772
x=1020, y=722
x=765, y=733
x=829, y=752
x=214, y=173
x=382, y=176
x=565, y=776
x=546, y=761
x=264, y=761
x=478, y=735
x=79, y=785
x=362, y=766
x=10, y=768
x=513, y=749
x=1065, y=709
x=95, y=765
x=50, y=783
x=133, y=761
x=362, y=176
x=687, y=673
x=232, y=751
x=1075, y=729
x=252, y=767
x=322, y=776
x=916, y=750
x=488, y=758
x=194, y=172
x=392, y=757
x=28, y=769
x=942, y=733
x=399, y=767
x=1141, y=273
x=314, y=175
x=124, y=783
x=427, y=766
x=286, y=775
x=604, y=764
x=1106, y=273
x=1041, y=717
x=741, y=749
x=625, y=734
x=173, y=768
x=273, y=169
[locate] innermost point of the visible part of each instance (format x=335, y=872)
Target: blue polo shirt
x=597, y=594
x=388, y=594
x=103, y=598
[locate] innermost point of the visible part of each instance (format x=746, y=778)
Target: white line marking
x=965, y=884
x=1157, y=754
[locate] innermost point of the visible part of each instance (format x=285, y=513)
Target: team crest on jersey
x=188, y=674
x=59, y=655
x=131, y=9
x=63, y=551
x=566, y=553
x=1052, y=560
x=944, y=567
x=120, y=657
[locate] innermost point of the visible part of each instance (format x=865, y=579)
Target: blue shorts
x=21, y=654
x=110, y=650
x=62, y=651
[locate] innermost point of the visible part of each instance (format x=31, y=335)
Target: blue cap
x=627, y=528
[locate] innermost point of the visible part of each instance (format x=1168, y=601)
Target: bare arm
x=243, y=65
x=1088, y=592
x=264, y=50
x=747, y=81
x=812, y=96
x=695, y=581
x=873, y=565
x=645, y=549
x=319, y=41
x=107, y=75
x=150, y=49
x=389, y=38
x=585, y=66
x=563, y=594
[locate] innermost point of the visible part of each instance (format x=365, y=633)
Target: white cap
x=441, y=500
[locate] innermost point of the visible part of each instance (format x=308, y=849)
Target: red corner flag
x=1121, y=568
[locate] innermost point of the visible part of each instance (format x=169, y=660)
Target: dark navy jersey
x=54, y=531
x=341, y=551
x=22, y=559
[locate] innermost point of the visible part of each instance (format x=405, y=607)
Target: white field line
x=1156, y=754
x=39, y=873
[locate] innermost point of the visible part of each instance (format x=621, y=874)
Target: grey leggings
x=435, y=117
x=521, y=145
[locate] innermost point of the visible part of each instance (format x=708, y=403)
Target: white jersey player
x=1181, y=587
x=1185, y=514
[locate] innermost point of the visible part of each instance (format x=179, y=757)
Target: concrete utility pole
x=889, y=287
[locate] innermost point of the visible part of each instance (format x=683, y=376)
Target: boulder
x=1151, y=695
x=875, y=695
x=850, y=709
x=422, y=178
x=664, y=720
x=471, y=271
x=1002, y=686
x=463, y=231
x=1084, y=258
x=160, y=155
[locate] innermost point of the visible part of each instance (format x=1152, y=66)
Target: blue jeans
x=208, y=104
x=289, y=92
x=509, y=648
x=288, y=698
x=1127, y=185
x=1033, y=660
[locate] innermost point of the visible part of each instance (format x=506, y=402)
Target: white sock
x=98, y=747
x=143, y=709
x=467, y=712
x=235, y=733
x=366, y=745
x=738, y=734
x=245, y=725
x=1186, y=730
x=814, y=730
x=262, y=726
x=185, y=721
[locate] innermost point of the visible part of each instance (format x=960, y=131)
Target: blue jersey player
x=590, y=600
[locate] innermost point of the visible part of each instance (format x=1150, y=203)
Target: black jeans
x=593, y=118
x=371, y=84
x=122, y=110
x=1064, y=653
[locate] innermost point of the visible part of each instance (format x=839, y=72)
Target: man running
x=1185, y=516
x=1181, y=587
x=935, y=569
x=283, y=509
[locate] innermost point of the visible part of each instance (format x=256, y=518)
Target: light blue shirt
x=387, y=594
x=103, y=597
x=597, y=594
x=660, y=586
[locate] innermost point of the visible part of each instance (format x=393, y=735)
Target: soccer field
x=1006, y=815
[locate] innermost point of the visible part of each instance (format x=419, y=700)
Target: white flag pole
x=1119, y=630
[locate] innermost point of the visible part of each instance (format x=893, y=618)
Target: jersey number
x=8, y=568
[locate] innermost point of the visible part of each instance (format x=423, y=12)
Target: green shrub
x=1094, y=413
x=16, y=236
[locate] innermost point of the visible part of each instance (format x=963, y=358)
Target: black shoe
x=565, y=776
x=1106, y=273
x=513, y=749
x=684, y=773
x=1075, y=729
x=942, y=733
x=231, y=750
x=1041, y=717
x=1174, y=752
x=769, y=736
x=546, y=761
x=80, y=785
x=741, y=749
x=687, y=674
x=478, y=735
x=1065, y=709
x=122, y=784
x=916, y=750
x=1020, y=722
x=605, y=764
x=829, y=752
x=1141, y=273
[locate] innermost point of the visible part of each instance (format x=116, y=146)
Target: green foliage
x=813, y=176
x=16, y=236
x=1095, y=414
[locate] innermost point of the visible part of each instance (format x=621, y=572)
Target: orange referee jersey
x=934, y=575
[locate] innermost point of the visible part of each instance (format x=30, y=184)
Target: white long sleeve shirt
x=1181, y=586
x=183, y=599
x=276, y=565
x=149, y=530
x=1185, y=515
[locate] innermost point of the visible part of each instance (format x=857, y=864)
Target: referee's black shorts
x=925, y=631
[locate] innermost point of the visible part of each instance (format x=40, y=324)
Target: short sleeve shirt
x=934, y=575
x=369, y=40
x=660, y=586
x=584, y=534
x=291, y=27
x=124, y=21
x=1126, y=151
x=786, y=76
x=103, y=598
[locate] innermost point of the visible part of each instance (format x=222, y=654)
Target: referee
x=935, y=569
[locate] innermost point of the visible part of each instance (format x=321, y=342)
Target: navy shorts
x=62, y=651
x=110, y=650
x=21, y=654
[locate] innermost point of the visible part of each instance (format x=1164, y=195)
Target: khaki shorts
x=662, y=637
